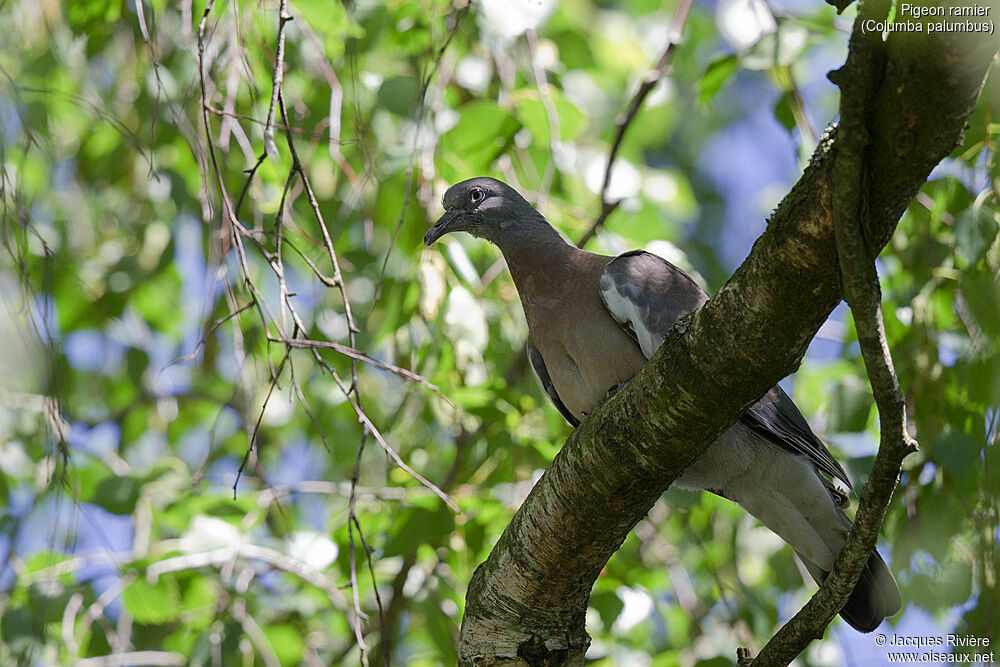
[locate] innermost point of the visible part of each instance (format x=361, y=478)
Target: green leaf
x=982, y=294
x=957, y=452
x=117, y=494
x=48, y=599
x=287, y=643
x=717, y=661
x=400, y=95
x=951, y=584
x=199, y=595
x=531, y=111
x=18, y=623
x=158, y=300
x=472, y=397
x=608, y=605
x=955, y=582
x=470, y=147
x=850, y=405
x=420, y=526
x=43, y=560
x=711, y=81
x=331, y=21
x=784, y=111
x=152, y=604
x=975, y=229
x=95, y=20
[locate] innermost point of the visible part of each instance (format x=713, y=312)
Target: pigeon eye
x=476, y=195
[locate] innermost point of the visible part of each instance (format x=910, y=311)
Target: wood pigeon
x=593, y=322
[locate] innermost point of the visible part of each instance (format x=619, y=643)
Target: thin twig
x=276, y=79
x=338, y=278
x=297, y=169
x=323, y=278
x=151, y=658
x=215, y=325
x=141, y=17
x=607, y=208
x=348, y=351
x=274, y=558
x=802, y=116
x=402, y=464
x=351, y=523
x=334, y=120
x=310, y=134
x=625, y=121
x=421, y=112
x=272, y=385
x=288, y=328
x=366, y=421
x=551, y=114
x=246, y=184
x=253, y=631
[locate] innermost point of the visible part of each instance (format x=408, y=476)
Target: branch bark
x=526, y=604
x=858, y=80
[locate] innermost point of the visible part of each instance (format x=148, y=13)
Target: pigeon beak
x=448, y=222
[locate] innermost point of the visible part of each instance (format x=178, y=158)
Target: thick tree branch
x=858, y=81
x=526, y=604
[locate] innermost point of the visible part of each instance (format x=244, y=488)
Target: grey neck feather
x=524, y=232
x=530, y=246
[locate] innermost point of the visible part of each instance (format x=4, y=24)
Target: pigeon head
x=486, y=208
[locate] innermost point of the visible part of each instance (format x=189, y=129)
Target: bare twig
x=338, y=278
x=266, y=496
x=360, y=356
x=236, y=231
x=143, y=28
x=287, y=327
x=607, y=208
x=334, y=121
x=152, y=658
x=92, y=108
x=256, y=427
x=252, y=630
x=351, y=393
x=212, y=329
x=551, y=114
x=351, y=523
x=218, y=558
x=402, y=464
x=279, y=74
x=368, y=426
x=323, y=278
x=458, y=15
x=95, y=612
x=70, y=611
x=246, y=184
x=299, y=131
x=652, y=78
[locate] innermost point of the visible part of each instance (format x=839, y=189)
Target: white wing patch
x=630, y=314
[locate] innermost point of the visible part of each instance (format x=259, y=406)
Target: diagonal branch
x=858, y=80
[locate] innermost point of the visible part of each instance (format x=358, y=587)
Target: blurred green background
x=137, y=364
